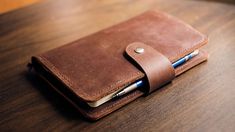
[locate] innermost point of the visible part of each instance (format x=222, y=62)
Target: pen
x=185, y=58
x=140, y=82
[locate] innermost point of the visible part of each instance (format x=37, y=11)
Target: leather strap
x=157, y=67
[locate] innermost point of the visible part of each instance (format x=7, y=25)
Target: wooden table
x=202, y=99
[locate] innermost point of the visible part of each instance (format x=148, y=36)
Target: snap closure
x=157, y=68
x=139, y=50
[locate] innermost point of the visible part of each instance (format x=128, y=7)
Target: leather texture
x=95, y=66
x=157, y=68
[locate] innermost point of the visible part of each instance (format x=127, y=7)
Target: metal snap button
x=139, y=50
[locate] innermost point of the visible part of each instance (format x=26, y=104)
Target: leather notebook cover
x=94, y=66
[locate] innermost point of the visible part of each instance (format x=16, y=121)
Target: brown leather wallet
x=95, y=66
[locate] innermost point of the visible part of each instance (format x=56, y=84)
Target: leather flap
x=157, y=67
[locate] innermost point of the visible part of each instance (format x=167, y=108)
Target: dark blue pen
x=140, y=83
x=184, y=59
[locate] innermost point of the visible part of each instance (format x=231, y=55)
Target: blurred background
x=10, y=5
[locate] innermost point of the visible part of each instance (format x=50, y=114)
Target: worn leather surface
x=107, y=108
x=157, y=68
x=95, y=66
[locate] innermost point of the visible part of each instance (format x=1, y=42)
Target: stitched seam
x=186, y=49
x=204, y=41
x=69, y=83
x=60, y=75
x=120, y=103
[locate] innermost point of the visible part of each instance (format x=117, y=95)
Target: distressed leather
x=95, y=66
x=157, y=68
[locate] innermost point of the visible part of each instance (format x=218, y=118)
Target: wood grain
x=202, y=99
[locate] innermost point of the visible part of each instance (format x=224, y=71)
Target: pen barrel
x=179, y=62
x=127, y=90
x=130, y=88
